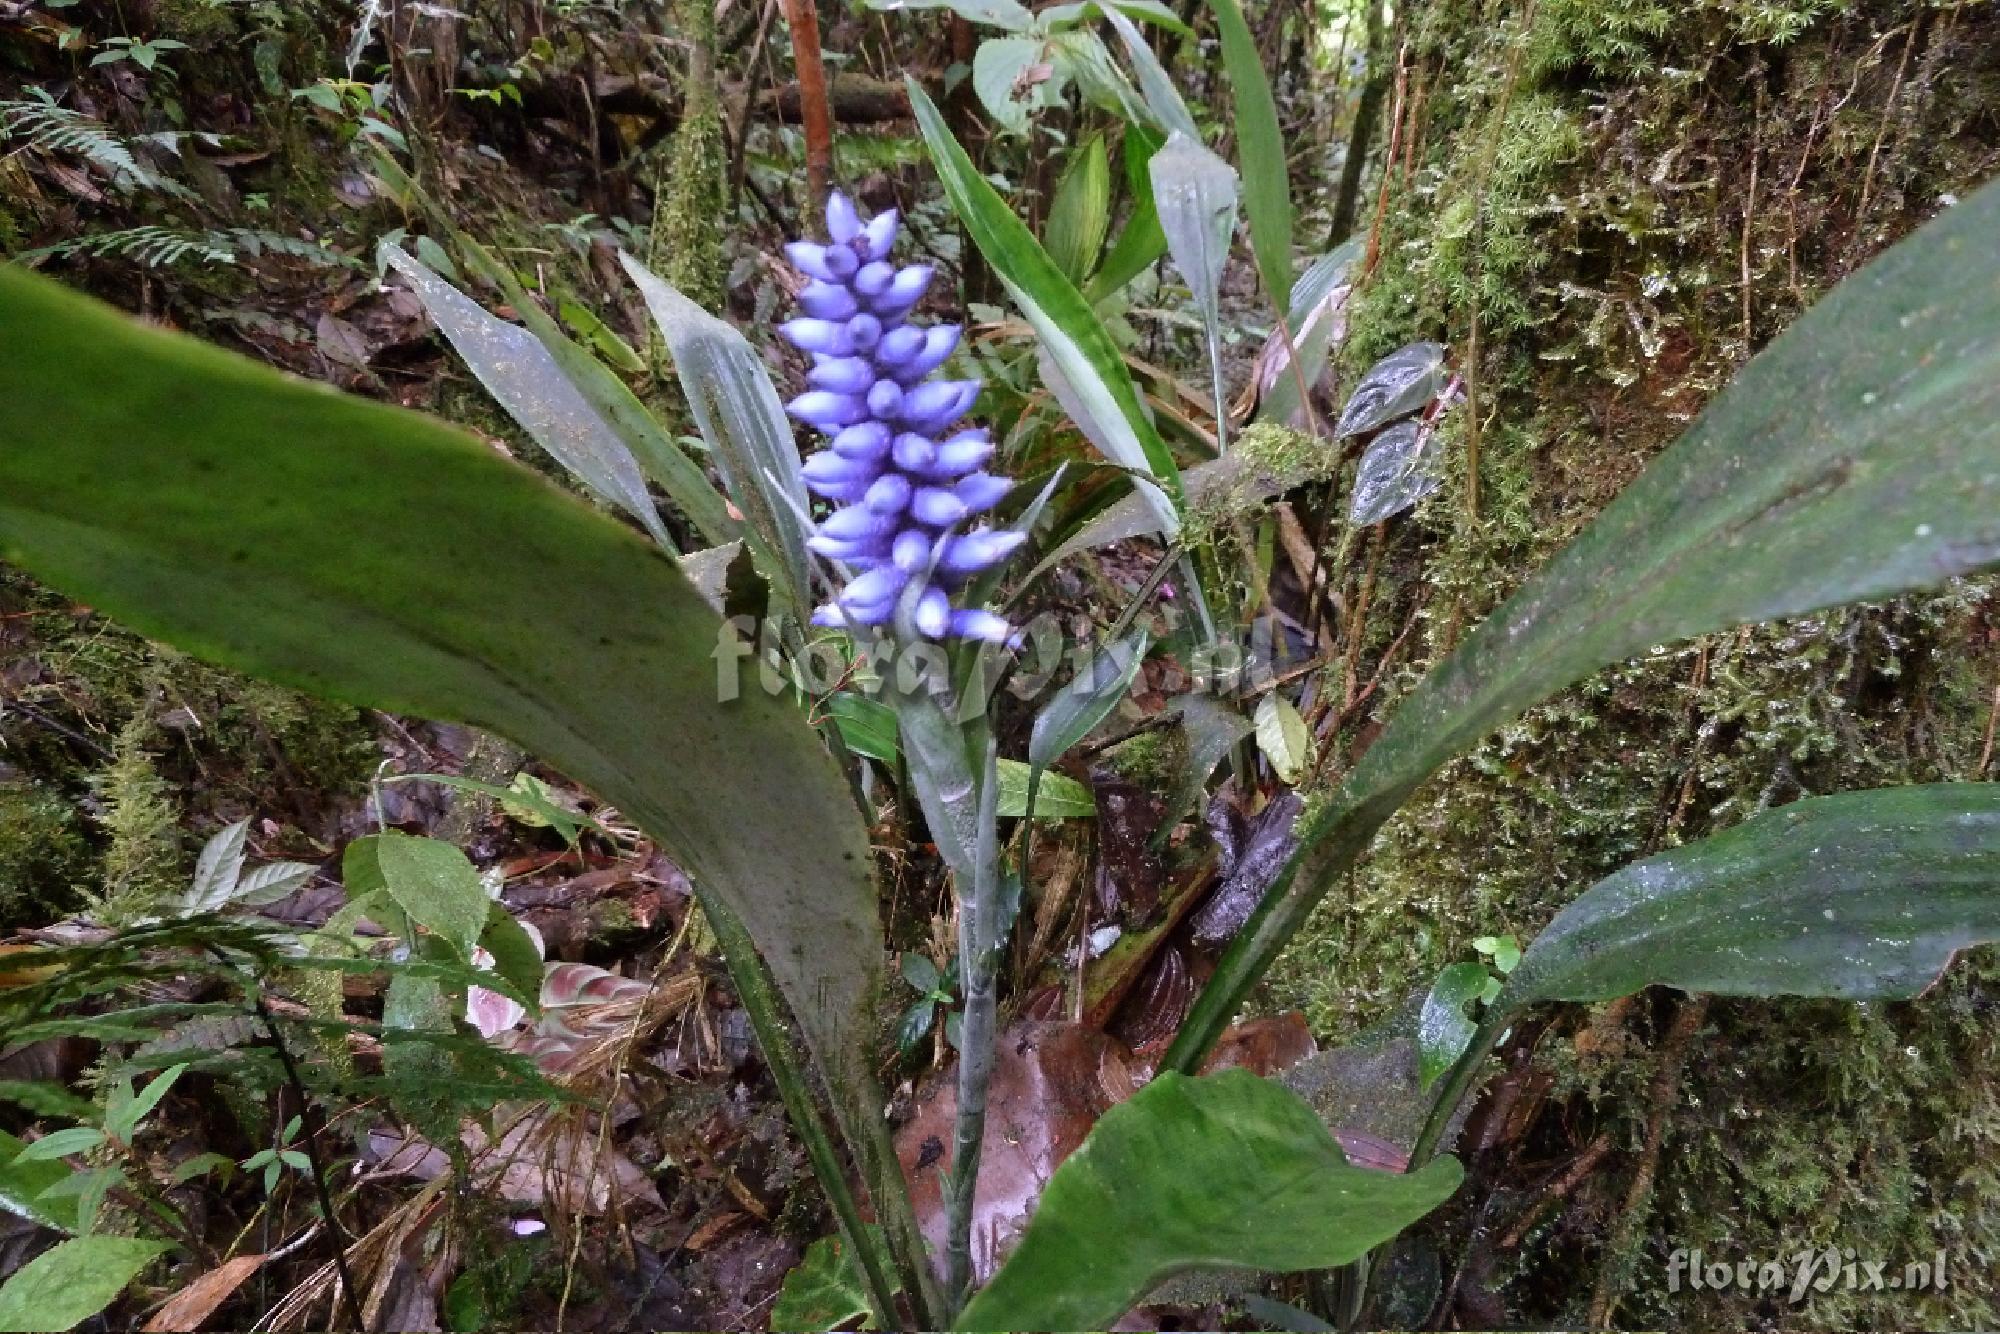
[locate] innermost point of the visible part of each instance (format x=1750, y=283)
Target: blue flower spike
x=906, y=479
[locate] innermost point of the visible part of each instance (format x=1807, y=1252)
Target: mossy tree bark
x=1604, y=209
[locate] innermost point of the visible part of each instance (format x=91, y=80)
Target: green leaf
x=1861, y=896
x=1226, y=1170
x=564, y=821
x=353, y=549
x=738, y=412
x=1000, y=76
x=429, y=879
x=920, y=972
x=1282, y=736
x=1087, y=699
x=1855, y=458
x=67, y=1285
x=1505, y=951
x=217, y=870
x=1140, y=241
x=1056, y=797
x=994, y=13
x=61, y=1144
x=1317, y=314
x=516, y=957
x=825, y=1289
x=1195, y=193
x=868, y=726
x=1170, y=113
x=1443, y=1030
x=124, y=1123
x=523, y=377
x=1261, y=152
x=1063, y=322
x=1080, y=215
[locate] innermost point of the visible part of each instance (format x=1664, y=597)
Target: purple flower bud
x=871, y=280
x=810, y=260
x=900, y=493
x=863, y=332
x=843, y=375
x=823, y=337
x=827, y=301
x=982, y=625
x=980, y=550
x=981, y=491
x=842, y=223
x=931, y=407
x=889, y=493
x=879, y=235
x=935, y=506
x=828, y=411
x=864, y=440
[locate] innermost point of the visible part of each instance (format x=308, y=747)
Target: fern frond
x=51, y=128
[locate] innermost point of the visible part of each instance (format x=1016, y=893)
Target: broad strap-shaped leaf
x=1108, y=405
x=737, y=409
x=1260, y=151
x=1861, y=896
x=524, y=379
x=1316, y=319
x=67, y=1285
x=1222, y=1171
x=378, y=556
x=1856, y=457
x=1195, y=194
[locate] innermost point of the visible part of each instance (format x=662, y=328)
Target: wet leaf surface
x=1396, y=386
x=1400, y=468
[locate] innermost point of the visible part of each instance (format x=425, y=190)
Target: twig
x=1557, y=1189
x=1673, y=1057
x=1992, y=722
x=309, y=1112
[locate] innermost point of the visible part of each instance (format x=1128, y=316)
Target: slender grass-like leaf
x=524, y=379
x=1170, y=113
x=1260, y=152
x=1140, y=241
x=1224, y=1171
x=1855, y=458
x=738, y=411
x=1070, y=335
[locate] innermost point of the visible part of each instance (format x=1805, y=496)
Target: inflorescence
x=904, y=486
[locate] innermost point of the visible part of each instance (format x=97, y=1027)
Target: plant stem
x=978, y=953
x=761, y=1006
x=309, y=1116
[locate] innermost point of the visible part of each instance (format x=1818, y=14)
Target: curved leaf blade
x=1261, y=151
x=354, y=550
x=1087, y=700
x=1222, y=1171
x=523, y=378
x=1856, y=457
x=63, y=1287
x=1860, y=896
x=1068, y=331
x=737, y=409
x=1195, y=194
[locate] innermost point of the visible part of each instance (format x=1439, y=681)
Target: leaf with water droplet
x=1395, y=386
x=1400, y=468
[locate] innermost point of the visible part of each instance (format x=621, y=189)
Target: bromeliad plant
x=380, y=556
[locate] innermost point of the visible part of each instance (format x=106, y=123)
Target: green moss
x=692, y=199
x=145, y=862
x=1604, y=270
x=1154, y=760
x=43, y=855
x=203, y=24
